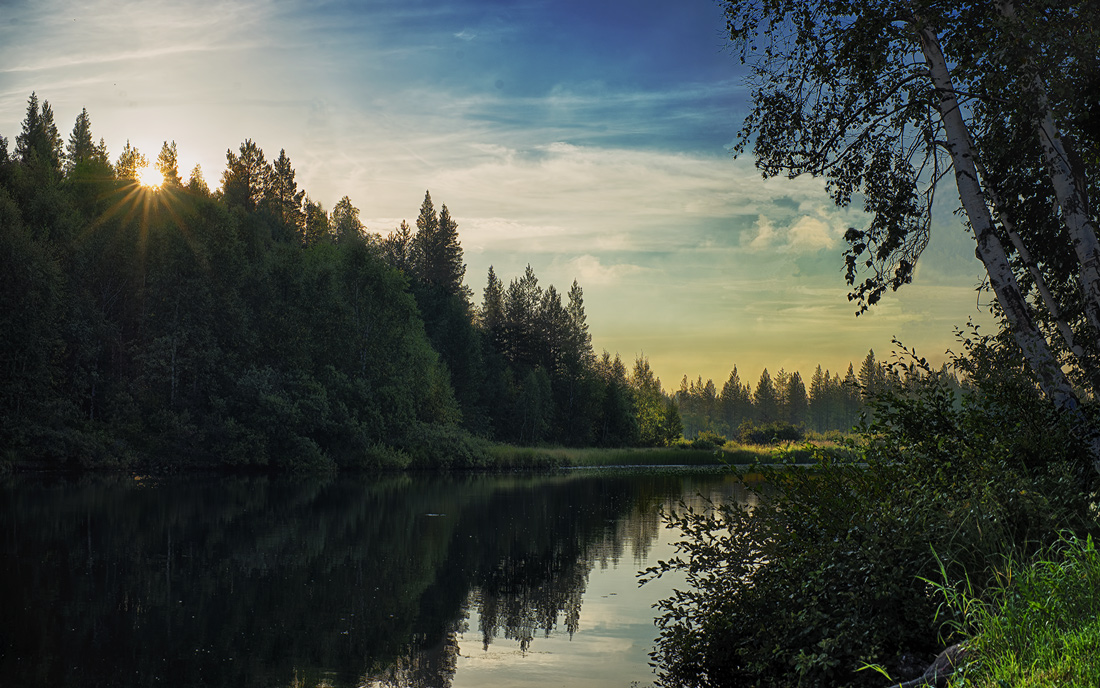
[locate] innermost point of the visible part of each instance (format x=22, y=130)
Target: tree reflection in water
x=342, y=581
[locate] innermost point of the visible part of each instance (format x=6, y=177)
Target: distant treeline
x=832, y=402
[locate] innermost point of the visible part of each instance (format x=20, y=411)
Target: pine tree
x=423, y=241
x=779, y=383
x=437, y=253
x=580, y=339
x=317, y=224
x=168, y=165
x=492, y=309
x=795, y=396
x=819, y=400
x=735, y=402
x=521, y=302
x=765, y=401
x=345, y=222
x=130, y=160
x=284, y=196
x=397, y=248
x=247, y=176
x=852, y=401
x=81, y=147
x=38, y=146
x=197, y=183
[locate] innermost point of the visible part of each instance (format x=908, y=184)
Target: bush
x=769, y=433
x=708, y=440
x=824, y=570
x=429, y=445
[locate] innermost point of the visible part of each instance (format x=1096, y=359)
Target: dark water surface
x=340, y=581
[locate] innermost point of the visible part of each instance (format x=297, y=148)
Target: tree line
x=783, y=402
x=250, y=326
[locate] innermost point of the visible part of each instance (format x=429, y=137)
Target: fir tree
x=246, y=177
x=345, y=222
x=284, y=196
x=130, y=160
x=168, y=165
x=197, y=183
x=38, y=146
x=765, y=400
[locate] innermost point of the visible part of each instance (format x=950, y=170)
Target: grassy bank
x=504, y=456
x=1040, y=625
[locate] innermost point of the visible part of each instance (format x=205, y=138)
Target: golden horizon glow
x=150, y=177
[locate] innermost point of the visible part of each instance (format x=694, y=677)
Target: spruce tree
x=765, y=399
x=130, y=160
x=492, y=309
x=81, y=147
x=38, y=146
x=168, y=165
x=247, y=176
x=284, y=196
x=197, y=183
x=437, y=253
x=580, y=339
x=345, y=222
x=317, y=224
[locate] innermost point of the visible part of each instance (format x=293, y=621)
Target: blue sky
x=587, y=138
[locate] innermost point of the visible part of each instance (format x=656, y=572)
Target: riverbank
x=477, y=454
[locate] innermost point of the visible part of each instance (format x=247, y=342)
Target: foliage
x=708, y=440
x=769, y=433
x=1038, y=623
x=824, y=571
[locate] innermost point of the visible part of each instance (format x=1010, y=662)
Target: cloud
x=589, y=270
x=809, y=233
x=806, y=234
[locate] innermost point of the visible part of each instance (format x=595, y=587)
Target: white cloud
x=809, y=233
x=806, y=234
x=588, y=269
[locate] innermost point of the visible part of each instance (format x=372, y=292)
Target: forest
x=150, y=320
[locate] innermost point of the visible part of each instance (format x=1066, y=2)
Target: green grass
x=507, y=456
x=1040, y=626
x=503, y=456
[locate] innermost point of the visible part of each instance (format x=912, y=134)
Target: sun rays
x=150, y=177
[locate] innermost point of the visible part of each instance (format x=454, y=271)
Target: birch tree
x=889, y=101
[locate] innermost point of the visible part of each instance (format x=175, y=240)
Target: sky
x=588, y=138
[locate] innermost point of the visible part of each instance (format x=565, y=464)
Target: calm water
x=346, y=581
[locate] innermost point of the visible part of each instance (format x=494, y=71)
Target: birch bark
x=1068, y=189
x=989, y=248
x=991, y=252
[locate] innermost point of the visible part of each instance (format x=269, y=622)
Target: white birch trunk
x=1049, y=302
x=1070, y=194
x=991, y=252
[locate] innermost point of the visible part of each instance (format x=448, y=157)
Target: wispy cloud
x=590, y=148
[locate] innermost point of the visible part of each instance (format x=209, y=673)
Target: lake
x=391, y=580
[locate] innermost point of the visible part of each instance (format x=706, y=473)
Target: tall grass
x=1038, y=624
x=503, y=456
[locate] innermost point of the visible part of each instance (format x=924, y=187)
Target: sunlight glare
x=150, y=177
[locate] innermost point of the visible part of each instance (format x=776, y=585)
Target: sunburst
x=150, y=177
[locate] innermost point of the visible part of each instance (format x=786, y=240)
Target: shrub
x=429, y=445
x=708, y=440
x=769, y=433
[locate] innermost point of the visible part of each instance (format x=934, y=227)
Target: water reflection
x=344, y=581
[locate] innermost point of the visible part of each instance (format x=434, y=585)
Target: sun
x=150, y=177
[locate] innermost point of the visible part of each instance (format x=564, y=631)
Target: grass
x=508, y=456
x=503, y=456
x=1040, y=626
